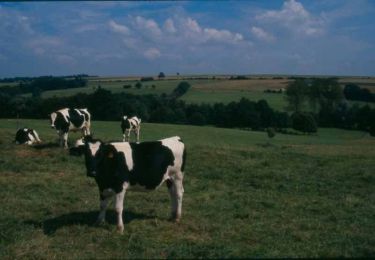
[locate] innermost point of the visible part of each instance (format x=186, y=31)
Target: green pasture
x=245, y=196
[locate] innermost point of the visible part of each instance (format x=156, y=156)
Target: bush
x=304, y=122
x=127, y=86
x=271, y=132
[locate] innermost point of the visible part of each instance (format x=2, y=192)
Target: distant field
x=245, y=196
x=206, y=89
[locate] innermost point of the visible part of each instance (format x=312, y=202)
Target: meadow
x=205, y=89
x=245, y=196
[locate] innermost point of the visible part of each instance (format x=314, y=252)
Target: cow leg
x=172, y=193
x=61, y=138
x=119, y=208
x=127, y=138
x=65, y=137
x=103, y=207
x=179, y=194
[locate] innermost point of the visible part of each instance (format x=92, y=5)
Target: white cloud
x=193, y=26
x=152, y=53
x=118, y=28
x=222, y=35
x=295, y=17
x=262, y=34
x=148, y=24
x=200, y=35
x=169, y=26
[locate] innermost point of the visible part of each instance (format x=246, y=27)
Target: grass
x=209, y=91
x=245, y=196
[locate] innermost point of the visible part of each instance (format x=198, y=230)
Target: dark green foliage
x=181, y=89
x=271, y=132
x=161, y=75
x=138, y=85
x=296, y=94
x=147, y=79
x=354, y=92
x=304, y=122
x=127, y=86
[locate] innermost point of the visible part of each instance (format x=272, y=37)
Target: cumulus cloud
x=152, y=53
x=262, y=34
x=222, y=35
x=169, y=26
x=147, y=24
x=295, y=17
x=118, y=28
x=195, y=31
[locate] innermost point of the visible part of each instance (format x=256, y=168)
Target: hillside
x=245, y=196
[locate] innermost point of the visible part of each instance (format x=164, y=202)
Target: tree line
x=36, y=86
x=322, y=102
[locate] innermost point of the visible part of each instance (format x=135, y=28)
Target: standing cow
x=120, y=166
x=129, y=125
x=66, y=119
x=27, y=136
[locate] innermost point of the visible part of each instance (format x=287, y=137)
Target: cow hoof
x=99, y=222
x=120, y=229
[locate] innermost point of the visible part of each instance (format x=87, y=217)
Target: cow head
x=92, y=155
x=52, y=119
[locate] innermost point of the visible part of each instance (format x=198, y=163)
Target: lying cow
x=27, y=136
x=66, y=119
x=120, y=166
x=129, y=125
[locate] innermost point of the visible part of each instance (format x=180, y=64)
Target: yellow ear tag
x=110, y=155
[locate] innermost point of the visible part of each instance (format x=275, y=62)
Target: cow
x=27, y=136
x=66, y=119
x=129, y=125
x=121, y=166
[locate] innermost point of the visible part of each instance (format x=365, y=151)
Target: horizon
x=130, y=39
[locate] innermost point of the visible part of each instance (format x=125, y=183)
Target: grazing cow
x=27, y=136
x=120, y=166
x=129, y=125
x=66, y=119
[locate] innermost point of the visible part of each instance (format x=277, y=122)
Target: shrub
x=271, y=132
x=304, y=122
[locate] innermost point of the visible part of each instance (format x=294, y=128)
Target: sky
x=294, y=37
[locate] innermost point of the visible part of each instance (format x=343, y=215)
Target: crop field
x=245, y=196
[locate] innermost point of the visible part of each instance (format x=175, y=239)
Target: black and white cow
x=66, y=119
x=121, y=166
x=27, y=136
x=129, y=125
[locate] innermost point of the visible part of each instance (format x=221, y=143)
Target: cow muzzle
x=53, y=127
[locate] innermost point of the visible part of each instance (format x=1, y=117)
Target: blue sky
x=323, y=37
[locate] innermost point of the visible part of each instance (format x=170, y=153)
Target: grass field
x=245, y=196
x=209, y=91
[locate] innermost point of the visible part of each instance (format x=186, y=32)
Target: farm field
x=215, y=90
x=245, y=196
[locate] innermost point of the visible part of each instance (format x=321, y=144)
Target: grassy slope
x=244, y=196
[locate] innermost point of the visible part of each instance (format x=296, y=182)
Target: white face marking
x=127, y=150
x=94, y=147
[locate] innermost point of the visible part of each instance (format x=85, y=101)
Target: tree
x=181, y=89
x=138, y=85
x=304, y=122
x=161, y=75
x=296, y=94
